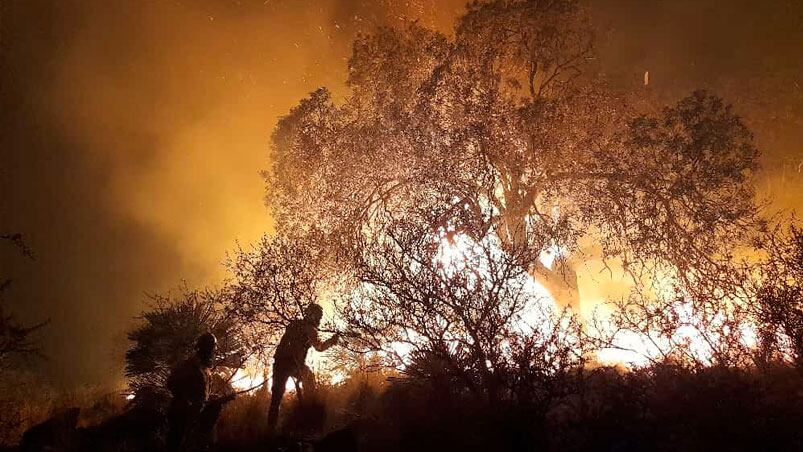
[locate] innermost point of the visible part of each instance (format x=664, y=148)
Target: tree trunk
x=560, y=281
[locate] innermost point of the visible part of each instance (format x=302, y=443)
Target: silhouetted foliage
x=272, y=283
x=168, y=333
x=17, y=347
x=459, y=303
x=15, y=338
x=780, y=296
x=19, y=243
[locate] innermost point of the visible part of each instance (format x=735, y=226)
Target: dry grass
x=26, y=402
x=660, y=408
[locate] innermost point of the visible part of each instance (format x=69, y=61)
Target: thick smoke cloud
x=133, y=132
x=748, y=52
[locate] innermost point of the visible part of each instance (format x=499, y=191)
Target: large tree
x=439, y=185
x=509, y=117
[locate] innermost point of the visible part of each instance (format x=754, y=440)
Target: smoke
x=746, y=52
x=133, y=132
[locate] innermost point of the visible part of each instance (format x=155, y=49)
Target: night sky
x=133, y=132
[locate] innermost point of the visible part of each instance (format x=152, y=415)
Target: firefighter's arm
x=197, y=396
x=321, y=346
x=221, y=399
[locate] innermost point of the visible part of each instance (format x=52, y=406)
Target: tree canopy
x=509, y=124
x=504, y=147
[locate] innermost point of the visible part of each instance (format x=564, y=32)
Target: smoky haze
x=133, y=132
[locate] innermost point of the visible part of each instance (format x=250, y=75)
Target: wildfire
x=248, y=377
x=452, y=254
x=630, y=349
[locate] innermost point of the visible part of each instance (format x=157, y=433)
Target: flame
x=251, y=376
x=695, y=335
x=630, y=349
x=248, y=377
x=337, y=378
x=452, y=253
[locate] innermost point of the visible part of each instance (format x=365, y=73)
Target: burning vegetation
x=441, y=212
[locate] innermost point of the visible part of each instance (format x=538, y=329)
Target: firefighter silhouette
x=288, y=361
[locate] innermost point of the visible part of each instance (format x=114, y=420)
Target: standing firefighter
x=189, y=385
x=288, y=361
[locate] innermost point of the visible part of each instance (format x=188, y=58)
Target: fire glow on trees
x=449, y=192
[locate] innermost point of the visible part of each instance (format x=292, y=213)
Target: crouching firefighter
x=288, y=361
x=191, y=411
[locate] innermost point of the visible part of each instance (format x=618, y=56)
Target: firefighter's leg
x=280, y=376
x=312, y=411
x=307, y=380
x=177, y=420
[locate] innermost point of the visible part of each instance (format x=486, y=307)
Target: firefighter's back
x=294, y=344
